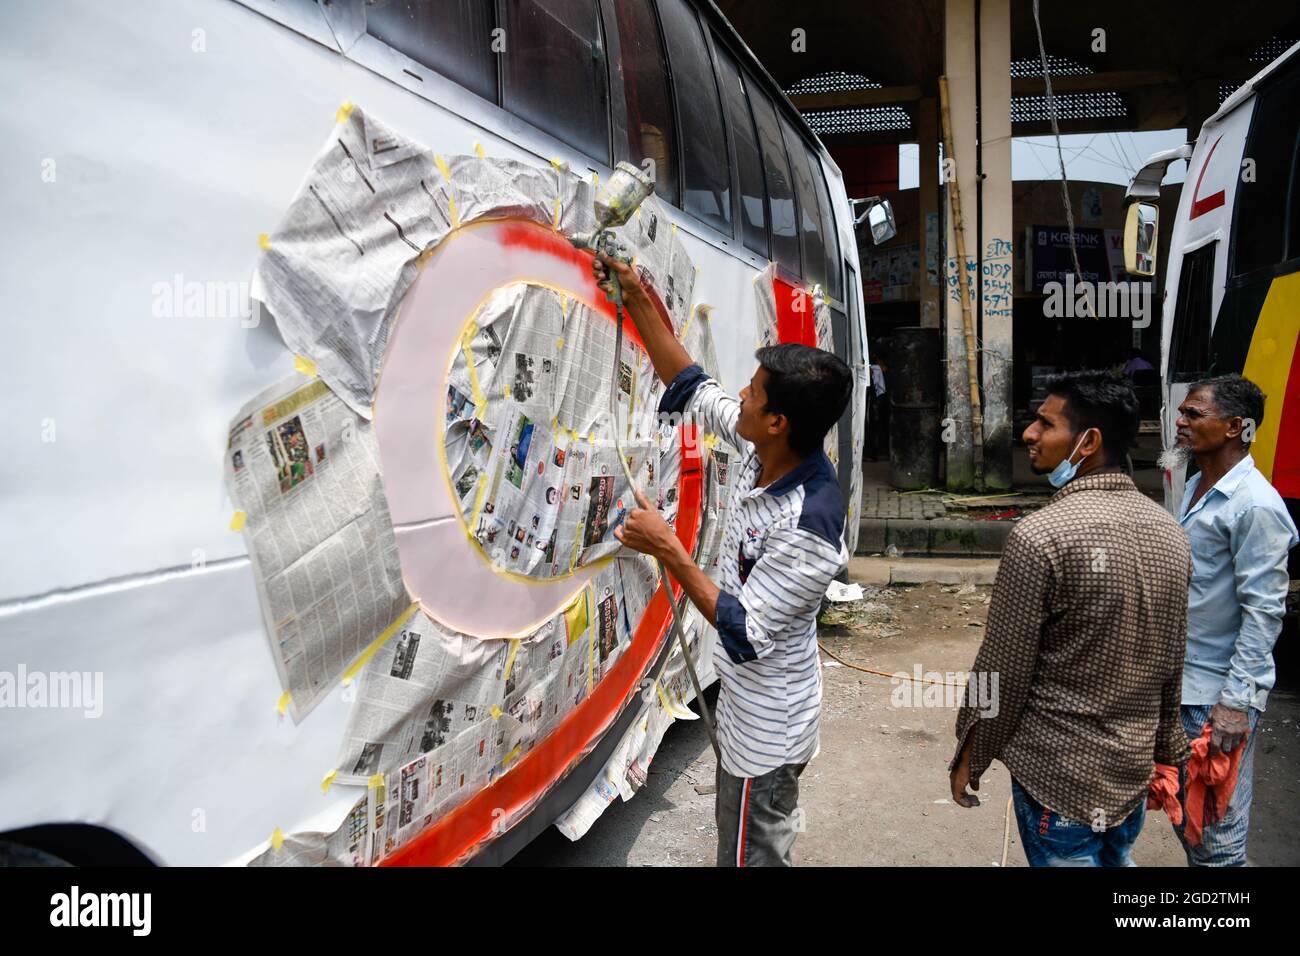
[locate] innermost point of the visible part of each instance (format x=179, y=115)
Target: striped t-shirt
x=782, y=546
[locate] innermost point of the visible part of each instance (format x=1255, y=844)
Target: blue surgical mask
x=1064, y=473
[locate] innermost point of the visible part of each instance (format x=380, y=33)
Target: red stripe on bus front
x=1213, y=201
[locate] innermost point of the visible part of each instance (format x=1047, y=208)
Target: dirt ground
x=877, y=794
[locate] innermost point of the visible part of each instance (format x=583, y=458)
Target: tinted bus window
x=650, y=133
x=1189, y=348
x=1259, y=238
x=555, y=73
x=706, y=174
x=749, y=164
x=810, y=224
x=453, y=38
x=830, y=235
x=780, y=189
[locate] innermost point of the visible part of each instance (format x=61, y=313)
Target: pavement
x=877, y=794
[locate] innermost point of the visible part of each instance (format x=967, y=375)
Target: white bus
x=1232, y=283
x=150, y=144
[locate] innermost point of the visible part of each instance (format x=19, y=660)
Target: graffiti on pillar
x=996, y=274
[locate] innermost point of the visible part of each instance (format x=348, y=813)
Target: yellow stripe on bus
x=1268, y=363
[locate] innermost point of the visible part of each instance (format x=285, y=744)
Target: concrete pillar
x=983, y=174
x=927, y=135
x=995, y=264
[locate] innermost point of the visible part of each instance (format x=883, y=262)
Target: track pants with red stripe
x=758, y=817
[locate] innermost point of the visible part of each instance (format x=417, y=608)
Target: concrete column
x=995, y=263
x=927, y=130
x=959, y=66
x=983, y=173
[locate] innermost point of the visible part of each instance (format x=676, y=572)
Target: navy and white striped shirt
x=782, y=546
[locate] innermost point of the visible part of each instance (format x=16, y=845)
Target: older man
x=1240, y=534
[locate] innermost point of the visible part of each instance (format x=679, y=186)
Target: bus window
x=1259, y=237
x=834, y=284
x=452, y=38
x=706, y=175
x=780, y=190
x=749, y=165
x=810, y=224
x=1189, y=347
x=555, y=73
x=650, y=133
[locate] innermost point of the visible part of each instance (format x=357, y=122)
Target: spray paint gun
x=617, y=200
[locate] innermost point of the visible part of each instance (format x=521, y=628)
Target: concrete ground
x=877, y=795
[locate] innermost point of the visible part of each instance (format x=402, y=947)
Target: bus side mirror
x=1140, y=233
x=879, y=216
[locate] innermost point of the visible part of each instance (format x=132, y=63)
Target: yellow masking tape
x=478, y=506
x=591, y=642
x=595, y=178
x=480, y=400
x=376, y=781
x=329, y=779
x=305, y=365
x=575, y=617
x=237, y=520
x=263, y=241
x=283, y=705
x=277, y=838
x=377, y=643
x=478, y=150
x=663, y=699
x=442, y=167
x=557, y=163
x=455, y=213
x=343, y=112
x=511, y=756
x=555, y=215
x=510, y=659
x=495, y=712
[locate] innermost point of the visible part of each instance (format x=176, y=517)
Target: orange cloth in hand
x=1163, y=793
x=1211, y=778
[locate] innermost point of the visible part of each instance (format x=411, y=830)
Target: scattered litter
x=841, y=593
x=890, y=631
x=891, y=551
x=831, y=664
x=943, y=801
x=704, y=789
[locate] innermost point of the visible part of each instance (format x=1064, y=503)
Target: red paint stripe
x=530, y=235
x=744, y=824
x=1286, y=457
x=795, y=321
x=1213, y=201
x=458, y=835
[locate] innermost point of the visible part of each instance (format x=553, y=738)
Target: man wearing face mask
x=1086, y=634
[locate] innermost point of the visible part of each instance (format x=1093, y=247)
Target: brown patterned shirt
x=1086, y=634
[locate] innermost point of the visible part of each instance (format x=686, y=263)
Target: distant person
x=1085, y=637
x=1241, y=534
x=877, y=411
x=1136, y=363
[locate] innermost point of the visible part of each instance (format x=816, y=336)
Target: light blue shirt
x=1240, y=534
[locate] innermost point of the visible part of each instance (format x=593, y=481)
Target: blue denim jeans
x=1050, y=839
x=1224, y=843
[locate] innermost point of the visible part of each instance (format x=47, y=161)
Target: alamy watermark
x=54, y=690
x=1101, y=300
x=946, y=689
